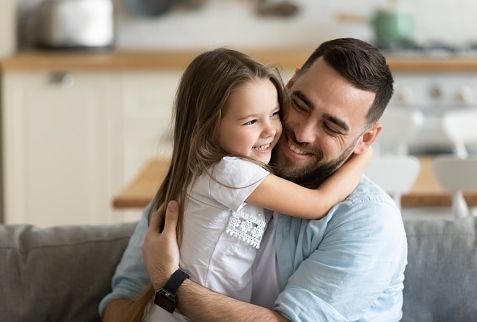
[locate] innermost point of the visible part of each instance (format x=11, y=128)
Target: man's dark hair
x=362, y=65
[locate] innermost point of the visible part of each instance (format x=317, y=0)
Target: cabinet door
x=59, y=149
x=147, y=100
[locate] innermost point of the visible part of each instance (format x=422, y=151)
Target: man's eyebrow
x=342, y=124
x=303, y=98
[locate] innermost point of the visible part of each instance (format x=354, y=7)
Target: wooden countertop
x=173, y=60
x=426, y=191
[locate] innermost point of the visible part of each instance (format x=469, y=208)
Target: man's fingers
x=155, y=220
x=172, y=212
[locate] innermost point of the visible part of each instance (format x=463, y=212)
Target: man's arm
x=201, y=305
x=339, y=281
x=117, y=310
x=161, y=257
x=130, y=278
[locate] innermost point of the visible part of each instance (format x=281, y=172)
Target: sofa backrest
x=441, y=276
x=58, y=274
x=61, y=274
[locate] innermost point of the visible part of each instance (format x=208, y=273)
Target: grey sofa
x=60, y=274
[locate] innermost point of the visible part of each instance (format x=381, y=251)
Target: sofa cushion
x=441, y=277
x=60, y=273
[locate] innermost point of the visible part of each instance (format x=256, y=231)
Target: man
x=348, y=266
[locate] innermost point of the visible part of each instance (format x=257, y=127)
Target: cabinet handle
x=63, y=79
x=436, y=92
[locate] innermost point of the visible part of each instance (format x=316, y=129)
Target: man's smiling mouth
x=296, y=149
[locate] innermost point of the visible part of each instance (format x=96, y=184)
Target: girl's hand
x=362, y=160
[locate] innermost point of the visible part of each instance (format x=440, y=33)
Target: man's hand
x=161, y=257
x=160, y=249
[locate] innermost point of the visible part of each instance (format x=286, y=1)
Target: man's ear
x=293, y=79
x=368, y=137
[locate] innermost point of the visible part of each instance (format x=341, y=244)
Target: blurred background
x=87, y=88
x=269, y=23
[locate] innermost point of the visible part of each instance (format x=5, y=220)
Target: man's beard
x=312, y=175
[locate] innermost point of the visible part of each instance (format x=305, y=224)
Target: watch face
x=166, y=300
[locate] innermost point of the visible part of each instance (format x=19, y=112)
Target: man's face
x=323, y=125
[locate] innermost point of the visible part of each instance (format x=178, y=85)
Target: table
x=426, y=191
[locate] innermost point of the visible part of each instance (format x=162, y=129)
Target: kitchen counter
x=426, y=191
x=160, y=60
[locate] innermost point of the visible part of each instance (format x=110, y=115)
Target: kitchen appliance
x=75, y=24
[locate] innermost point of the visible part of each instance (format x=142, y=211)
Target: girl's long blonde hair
x=200, y=102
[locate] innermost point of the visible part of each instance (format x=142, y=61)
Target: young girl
x=226, y=125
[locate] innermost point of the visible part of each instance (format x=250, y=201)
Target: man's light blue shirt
x=348, y=266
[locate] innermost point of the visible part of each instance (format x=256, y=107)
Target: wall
x=233, y=23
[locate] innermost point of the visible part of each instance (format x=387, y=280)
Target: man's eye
x=251, y=122
x=330, y=129
x=297, y=106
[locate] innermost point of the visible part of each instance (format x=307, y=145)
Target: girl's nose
x=268, y=131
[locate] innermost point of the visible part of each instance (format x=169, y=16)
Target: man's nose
x=305, y=132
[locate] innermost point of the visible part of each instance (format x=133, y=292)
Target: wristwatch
x=166, y=296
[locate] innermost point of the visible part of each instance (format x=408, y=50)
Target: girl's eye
x=251, y=122
x=276, y=113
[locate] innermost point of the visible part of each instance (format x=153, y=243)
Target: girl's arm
x=294, y=200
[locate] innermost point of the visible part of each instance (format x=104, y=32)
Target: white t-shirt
x=221, y=232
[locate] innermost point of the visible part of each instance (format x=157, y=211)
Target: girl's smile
x=251, y=124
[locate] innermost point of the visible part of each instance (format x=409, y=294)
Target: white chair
x=400, y=126
x=394, y=174
x=461, y=128
x=456, y=175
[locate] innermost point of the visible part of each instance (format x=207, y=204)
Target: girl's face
x=251, y=124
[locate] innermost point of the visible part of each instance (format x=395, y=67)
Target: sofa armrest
x=59, y=273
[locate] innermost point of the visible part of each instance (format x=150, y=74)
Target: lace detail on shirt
x=246, y=226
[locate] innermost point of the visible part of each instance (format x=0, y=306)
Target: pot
x=75, y=24
x=392, y=27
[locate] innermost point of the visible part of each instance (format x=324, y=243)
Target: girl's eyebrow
x=249, y=116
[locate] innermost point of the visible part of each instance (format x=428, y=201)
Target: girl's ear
x=293, y=79
x=368, y=137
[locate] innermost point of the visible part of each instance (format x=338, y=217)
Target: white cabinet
x=147, y=99
x=71, y=140
x=60, y=140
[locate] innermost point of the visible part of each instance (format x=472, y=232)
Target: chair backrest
x=456, y=175
x=394, y=174
x=461, y=128
x=400, y=126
